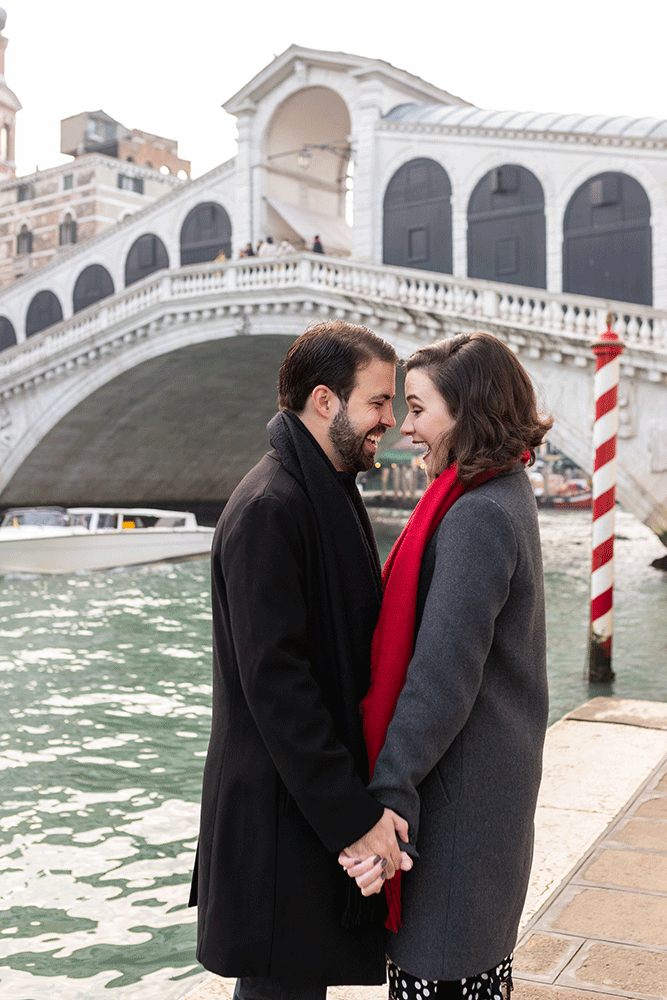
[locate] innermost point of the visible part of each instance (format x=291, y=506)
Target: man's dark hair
x=330, y=354
x=491, y=397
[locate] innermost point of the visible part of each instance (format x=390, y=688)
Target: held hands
x=376, y=856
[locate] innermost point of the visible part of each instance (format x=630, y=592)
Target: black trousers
x=260, y=988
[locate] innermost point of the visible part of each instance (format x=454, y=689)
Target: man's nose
x=388, y=417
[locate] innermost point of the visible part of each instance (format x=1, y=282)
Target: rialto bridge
x=161, y=392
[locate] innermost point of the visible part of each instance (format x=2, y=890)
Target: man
x=296, y=595
x=317, y=245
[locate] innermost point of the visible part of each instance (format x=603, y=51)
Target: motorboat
x=67, y=539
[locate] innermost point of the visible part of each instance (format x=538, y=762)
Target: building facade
x=115, y=171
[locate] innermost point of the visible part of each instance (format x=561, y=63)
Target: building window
x=24, y=241
x=135, y=184
x=67, y=231
x=68, y=182
x=25, y=192
x=4, y=142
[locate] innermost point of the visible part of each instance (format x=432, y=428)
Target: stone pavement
x=595, y=922
x=603, y=933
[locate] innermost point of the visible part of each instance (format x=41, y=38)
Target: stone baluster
x=632, y=329
x=655, y=337
x=526, y=311
x=490, y=301
x=390, y=287
x=569, y=319
x=229, y=278
x=514, y=309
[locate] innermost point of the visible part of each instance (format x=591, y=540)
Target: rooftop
x=529, y=121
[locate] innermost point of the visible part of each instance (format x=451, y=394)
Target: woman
x=457, y=711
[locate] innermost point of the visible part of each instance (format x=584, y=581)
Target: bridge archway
x=206, y=231
x=7, y=333
x=506, y=228
x=94, y=283
x=185, y=425
x=607, y=240
x=308, y=169
x=44, y=310
x=146, y=255
x=417, y=217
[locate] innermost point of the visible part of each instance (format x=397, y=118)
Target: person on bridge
x=317, y=245
x=456, y=713
x=296, y=595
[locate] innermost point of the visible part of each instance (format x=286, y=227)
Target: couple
x=369, y=764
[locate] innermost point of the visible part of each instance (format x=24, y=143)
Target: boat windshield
x=46, y=517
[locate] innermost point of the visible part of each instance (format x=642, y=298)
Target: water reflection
x=105, y=686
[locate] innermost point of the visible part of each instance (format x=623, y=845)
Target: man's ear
x=325, y=401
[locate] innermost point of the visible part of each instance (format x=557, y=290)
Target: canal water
x=105, y=686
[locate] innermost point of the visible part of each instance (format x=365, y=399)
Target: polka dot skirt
x=496, y=984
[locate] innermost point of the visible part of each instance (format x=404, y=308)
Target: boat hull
x=67, y=552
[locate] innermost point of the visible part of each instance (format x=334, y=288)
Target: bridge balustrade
x=566, y=315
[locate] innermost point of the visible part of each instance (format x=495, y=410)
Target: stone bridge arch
x=182, y=424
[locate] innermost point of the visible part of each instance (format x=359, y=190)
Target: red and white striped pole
x=607, y=349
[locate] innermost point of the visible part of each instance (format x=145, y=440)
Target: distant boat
x=575, y=494
x=63, y=540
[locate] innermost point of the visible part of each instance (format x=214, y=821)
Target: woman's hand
x=381, y=842
x=371, y=874
x=370, y=866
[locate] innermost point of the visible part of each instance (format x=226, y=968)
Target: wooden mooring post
x=607, y=349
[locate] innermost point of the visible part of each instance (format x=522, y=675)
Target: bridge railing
x=576, y=316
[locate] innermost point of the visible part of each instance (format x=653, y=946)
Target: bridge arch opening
x=207, y=230
x=417, y=217
x=607, y=240
x=307, y=164
x=146, y=255
x=94, y=283
x=44, y=310
x=507, y=229
x=185, y=425
x=7, y=333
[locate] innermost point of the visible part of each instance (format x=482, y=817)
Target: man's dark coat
x=283, y=792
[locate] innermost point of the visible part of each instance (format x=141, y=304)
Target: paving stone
x=628, y=712
x=619, y=916
x=629, y=868
x=541, y=991
x=607, y=966
x=544, y=955
x=212, y=988
x=646, y=833
x=662, y=784
x=655, y=808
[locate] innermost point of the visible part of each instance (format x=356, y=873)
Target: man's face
x=357, y=427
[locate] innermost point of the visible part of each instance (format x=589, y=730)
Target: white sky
x=166, y=67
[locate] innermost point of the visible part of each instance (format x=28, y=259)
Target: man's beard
x=349, y=444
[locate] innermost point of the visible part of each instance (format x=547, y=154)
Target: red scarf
x=393, y=641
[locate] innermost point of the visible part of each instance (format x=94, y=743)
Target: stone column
x=247, y=180
x=369, y=109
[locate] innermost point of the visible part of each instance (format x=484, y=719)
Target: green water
x=105, y=685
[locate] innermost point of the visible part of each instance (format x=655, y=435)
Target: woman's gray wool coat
x=463, y=755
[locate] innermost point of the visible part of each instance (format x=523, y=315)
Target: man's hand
x=381, y=846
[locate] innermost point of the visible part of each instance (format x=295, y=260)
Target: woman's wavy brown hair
x=490, y=395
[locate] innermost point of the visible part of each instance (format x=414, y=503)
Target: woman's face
x=429, y=420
